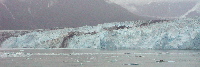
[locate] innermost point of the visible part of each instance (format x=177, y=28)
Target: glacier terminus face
x=154, y=34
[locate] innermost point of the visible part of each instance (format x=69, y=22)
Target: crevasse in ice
x=155, y=34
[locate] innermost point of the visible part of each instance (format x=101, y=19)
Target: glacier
x=153, y=34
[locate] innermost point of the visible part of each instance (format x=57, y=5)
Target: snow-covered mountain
x=154, y=34
x=161, y=8
x=45, y=14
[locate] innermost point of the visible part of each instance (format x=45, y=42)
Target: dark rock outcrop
x=152, y=22
x=7, y=34
x=116, y=28
x=70, y=35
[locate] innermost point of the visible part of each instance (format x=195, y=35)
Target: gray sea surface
x=98, y=58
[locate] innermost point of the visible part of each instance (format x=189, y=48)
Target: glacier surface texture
x=154, y=34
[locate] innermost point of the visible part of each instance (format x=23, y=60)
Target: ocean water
x=98, y=58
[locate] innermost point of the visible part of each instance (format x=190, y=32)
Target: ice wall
x=154, y=34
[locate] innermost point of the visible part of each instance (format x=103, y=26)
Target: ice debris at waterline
x=154, y=34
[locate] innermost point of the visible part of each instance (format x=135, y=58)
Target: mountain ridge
x=36, y=14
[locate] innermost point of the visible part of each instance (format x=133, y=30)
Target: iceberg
x=153, y=34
